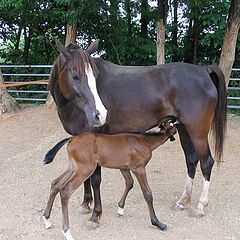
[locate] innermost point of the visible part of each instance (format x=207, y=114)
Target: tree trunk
x=7, y=103
x=144, y=19
x=18, y=39
x=129, y=17
x=230, y=39
x=71, y=33
x=175, y=31
x=195, y=40
x=188, y=43
x=27, y=42
x=161, y=22
x=160, y=42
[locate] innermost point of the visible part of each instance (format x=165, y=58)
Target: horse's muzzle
x=99, y=119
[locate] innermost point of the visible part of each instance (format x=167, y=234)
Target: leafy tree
x=127, y=29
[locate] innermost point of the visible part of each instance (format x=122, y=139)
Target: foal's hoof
x=180, y=206
x=120, y=211
x=85, y=209
x=46, y=222
x=90, y=225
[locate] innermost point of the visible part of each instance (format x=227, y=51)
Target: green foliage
x=29, y=29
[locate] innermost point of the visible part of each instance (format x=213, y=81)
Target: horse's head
x=77, y=82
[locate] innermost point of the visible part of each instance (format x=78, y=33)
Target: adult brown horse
x=137, y=98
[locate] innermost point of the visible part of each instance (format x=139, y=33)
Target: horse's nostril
x=97, y=116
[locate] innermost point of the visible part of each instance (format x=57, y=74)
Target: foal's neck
x=152, y=141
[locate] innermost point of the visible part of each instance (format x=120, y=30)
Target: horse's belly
x=132, y=122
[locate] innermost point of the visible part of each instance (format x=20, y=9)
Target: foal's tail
x=220, y=116
x=52, y=152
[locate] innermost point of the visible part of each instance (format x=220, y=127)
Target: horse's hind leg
x=206, y=163
x=140, y=173
x=129, y=185
x=55, y=186
x=191, y=162
x=199, y=136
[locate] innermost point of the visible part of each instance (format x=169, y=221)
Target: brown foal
x=125, y=151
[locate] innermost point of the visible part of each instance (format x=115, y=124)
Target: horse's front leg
x=128, y=186
x=87, y=200
x=191, y=162
x=97, y=210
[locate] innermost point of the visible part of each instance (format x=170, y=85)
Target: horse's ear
x=63, y=50
x=93, y=47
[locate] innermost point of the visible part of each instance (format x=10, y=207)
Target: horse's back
x=139, y=97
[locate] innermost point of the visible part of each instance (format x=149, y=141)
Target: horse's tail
x=220, y=117
x=52, y=152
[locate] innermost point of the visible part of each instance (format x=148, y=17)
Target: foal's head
x=169, y=129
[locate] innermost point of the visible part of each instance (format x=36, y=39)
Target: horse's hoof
x=68, y=235
x=84, y=209
x=120, y=211
x=47, y=223
x=180, y=206
x=90, y=225
x=198, y=213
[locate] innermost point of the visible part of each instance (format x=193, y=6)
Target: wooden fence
x=37, y=73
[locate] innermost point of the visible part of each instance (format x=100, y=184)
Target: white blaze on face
x=92, y=85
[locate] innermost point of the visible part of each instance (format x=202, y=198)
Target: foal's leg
x=191, y=162
x=55, y=186
x=140, y=173
x=97, y=210
x=79, y=176
x=129, y=185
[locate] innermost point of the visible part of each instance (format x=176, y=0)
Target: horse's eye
x=75, y=77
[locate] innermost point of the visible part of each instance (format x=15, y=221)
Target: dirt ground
x=25, y=183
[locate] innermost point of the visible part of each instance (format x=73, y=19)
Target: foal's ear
x=64, y=51
x=93, y=47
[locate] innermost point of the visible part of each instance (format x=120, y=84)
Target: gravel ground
x=25, y=183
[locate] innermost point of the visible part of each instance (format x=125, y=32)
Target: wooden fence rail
x=11, y=75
